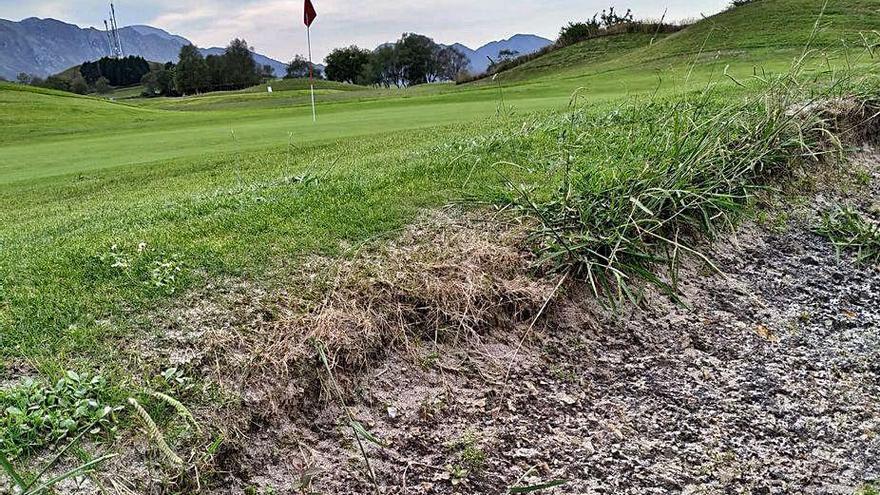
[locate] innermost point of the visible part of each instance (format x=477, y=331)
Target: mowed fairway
x=243, y=184
x=46, y=135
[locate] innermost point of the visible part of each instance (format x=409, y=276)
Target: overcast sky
x=274, y=27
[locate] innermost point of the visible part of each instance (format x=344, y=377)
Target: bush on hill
x=79, y=85
x=102, y=86
x=52, y=82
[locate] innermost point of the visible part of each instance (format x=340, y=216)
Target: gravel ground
x=767, y=382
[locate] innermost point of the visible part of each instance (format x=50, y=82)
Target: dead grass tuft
x=448, y=277
x=845, y=121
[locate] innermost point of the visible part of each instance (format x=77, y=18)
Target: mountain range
x=48, y=46
x=42, y=47
x=522, y=44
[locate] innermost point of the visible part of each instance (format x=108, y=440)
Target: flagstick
x=311, y=71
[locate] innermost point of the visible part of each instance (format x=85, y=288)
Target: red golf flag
x=309, y=13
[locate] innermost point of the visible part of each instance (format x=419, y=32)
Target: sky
x=274, y=27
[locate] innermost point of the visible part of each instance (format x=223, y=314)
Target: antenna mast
x=115, y=40
x=111, y=51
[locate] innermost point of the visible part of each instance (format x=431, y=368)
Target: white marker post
x=311, y=72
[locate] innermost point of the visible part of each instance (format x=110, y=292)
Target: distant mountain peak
x=520, y=43
x=48, y=46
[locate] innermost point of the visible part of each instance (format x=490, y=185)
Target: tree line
x=125, y=71
x=411, y=60
x=195, y=73
x=98, y=76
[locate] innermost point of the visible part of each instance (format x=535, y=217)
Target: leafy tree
x=79, y=85
x=504, y=56
x=191, y=72
x=418, y=56
x=150, y=82
x=159, y=82
x=24, y=78
x=453, y=64
x=346, y=64
x=241, y=70
x=102, y=86
x=413, y=59
x=91, y=71
x=165, y=79
x=217, y=71
x=384, y=67
x=297, y=68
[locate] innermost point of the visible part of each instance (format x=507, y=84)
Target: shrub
x=575, y=32
x=102, y=86
x=79, y=85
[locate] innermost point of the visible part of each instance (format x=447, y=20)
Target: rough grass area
x=764, y=381
x=688, y=178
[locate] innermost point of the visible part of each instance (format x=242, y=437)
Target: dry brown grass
x=448, y=277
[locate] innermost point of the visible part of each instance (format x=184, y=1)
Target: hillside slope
x=30, y=112
x=766, y=32
x=583, y=54
x=774, y=24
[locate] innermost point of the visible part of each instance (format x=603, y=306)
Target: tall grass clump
x=633, y=190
